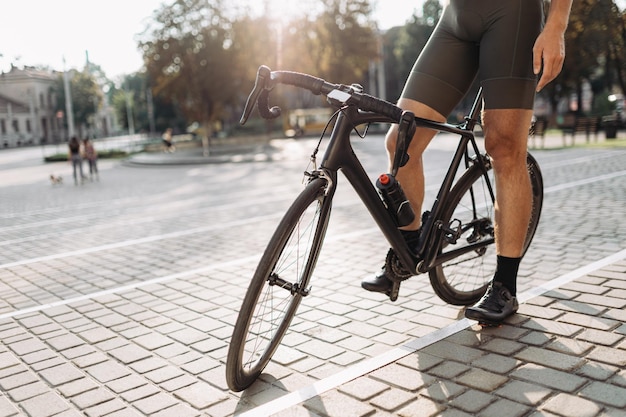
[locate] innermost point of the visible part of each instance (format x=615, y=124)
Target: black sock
x=506, y=273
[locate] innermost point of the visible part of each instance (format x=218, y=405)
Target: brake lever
x=406, y=130
x=263, y=77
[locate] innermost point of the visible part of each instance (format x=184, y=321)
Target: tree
x=190, y=60
x=86, y=98
x=405, y=44
x=595, y=53
x=336, y=44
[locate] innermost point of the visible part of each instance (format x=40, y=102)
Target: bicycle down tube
x=340, y=156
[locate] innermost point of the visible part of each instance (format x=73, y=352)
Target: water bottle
x=395, y=199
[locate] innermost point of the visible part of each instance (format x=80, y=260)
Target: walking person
x=74, y=156
x=91, y=156
x=514, y=53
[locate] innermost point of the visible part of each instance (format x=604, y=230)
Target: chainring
x=396, y=272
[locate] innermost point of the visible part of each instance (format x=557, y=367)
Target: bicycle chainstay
x=395, y=271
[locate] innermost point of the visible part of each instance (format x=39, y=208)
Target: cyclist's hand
x=548, y=55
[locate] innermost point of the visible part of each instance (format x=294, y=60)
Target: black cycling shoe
x=378, y=283
x=381, y=281
x=496, y=305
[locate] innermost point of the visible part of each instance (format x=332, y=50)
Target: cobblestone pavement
x=117, y=297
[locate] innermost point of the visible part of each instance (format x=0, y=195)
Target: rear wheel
x=463, y=279
x=278, y=285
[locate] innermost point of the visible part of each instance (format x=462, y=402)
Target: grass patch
x=608, y=143
x=106, y=154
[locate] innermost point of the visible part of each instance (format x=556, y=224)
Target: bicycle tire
x=268, y=307
x=464, y=280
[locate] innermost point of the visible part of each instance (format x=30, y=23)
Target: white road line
x=377, y=362
x=155, y=238
x=585, y=181
x=132, y=242
x=131, y=286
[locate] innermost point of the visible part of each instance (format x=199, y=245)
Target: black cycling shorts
x=491, y=39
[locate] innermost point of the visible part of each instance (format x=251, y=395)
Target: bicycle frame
x=339, y=155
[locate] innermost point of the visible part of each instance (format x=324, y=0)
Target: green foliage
x=201, y=57
x=104, y=154
x=86, y=95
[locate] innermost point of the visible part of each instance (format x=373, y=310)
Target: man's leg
x=506, y=136
x=410, y=176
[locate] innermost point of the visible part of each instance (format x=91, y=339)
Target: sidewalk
x=118, y=298
x=274, y=149
x=563, y=354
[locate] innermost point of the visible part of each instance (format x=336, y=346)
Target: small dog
x=56, y=180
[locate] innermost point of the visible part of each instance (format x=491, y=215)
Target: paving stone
x=25, y=347
x=401, y=377
x=496, y=363
x=449, y=370
x=126, y=383
x=47, y=404
x=200, y=395
x=106, y=408
x=553, y=327
x=130, y=353
x=597, y=371
x=363, y=388
x=571, y=405
x=482, y=380
x=66, y=341
x=7, y=409
x=93, y=398
x=155, y=403
x=392, y=399
x=608, y=355
x=97, y=335
x=77, y=387
x=524, y=392
x=61, y=374
x=549, y=377
x=549, y=358
x=422, y=407
x=178, y=410
x=472, y=401
x=7, y=360
x=153, y=341
x=25, y=392
x=506, y=408
x=443, y=391
x=17, y=380
x=108, y=371
x=608, y=394
x=163, y=374
x=336, y=404
x=447, y=350
x=141, y=392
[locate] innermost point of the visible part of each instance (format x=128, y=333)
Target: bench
x=573, y=124
x=538, y=128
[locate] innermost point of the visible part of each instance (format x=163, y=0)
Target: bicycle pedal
x=394, y=291
x=488, y=325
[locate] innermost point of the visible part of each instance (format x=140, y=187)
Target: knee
x=505, y=148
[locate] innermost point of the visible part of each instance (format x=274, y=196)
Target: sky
x=57, y=34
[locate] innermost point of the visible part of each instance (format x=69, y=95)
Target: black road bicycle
x=456, y=247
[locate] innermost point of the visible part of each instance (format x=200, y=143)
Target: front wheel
x=461, y=276
x=278, y=285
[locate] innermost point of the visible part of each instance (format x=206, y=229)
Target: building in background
x=28, y=108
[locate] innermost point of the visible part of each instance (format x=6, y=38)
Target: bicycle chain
x=396, y=272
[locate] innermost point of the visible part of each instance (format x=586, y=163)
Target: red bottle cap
x=384, y=179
